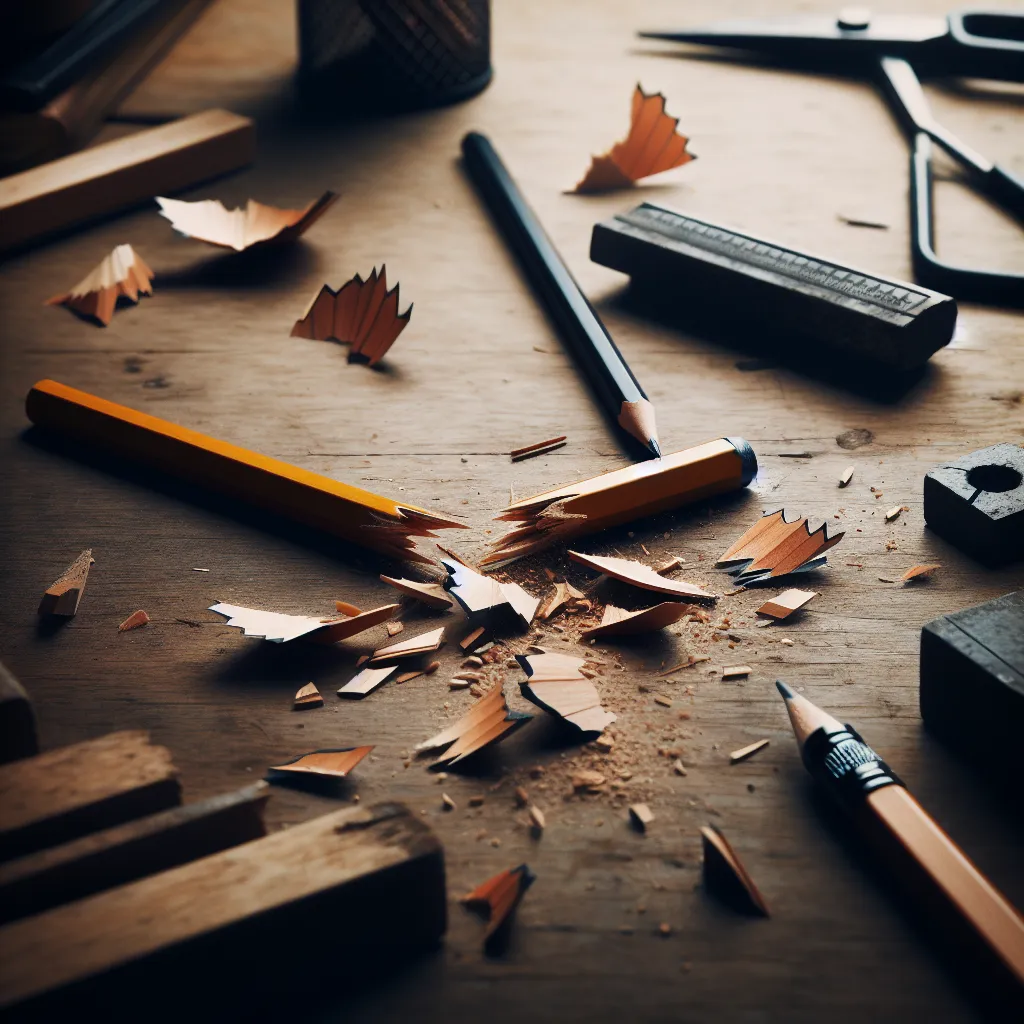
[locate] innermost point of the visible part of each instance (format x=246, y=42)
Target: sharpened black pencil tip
x=654, y=446
x=784, y=689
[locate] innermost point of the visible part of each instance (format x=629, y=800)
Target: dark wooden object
x=93, y=863
x=358, y=879
x=977, y=503
x=972, y=683
x=72, y=791
x=690, y=262
x=17, y=719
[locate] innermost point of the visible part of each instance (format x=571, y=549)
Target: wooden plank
x=367, y=877
x=32, y=884
x=123, y=173
x=17, y=719
x=72, y=791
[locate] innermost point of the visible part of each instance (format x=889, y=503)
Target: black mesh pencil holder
x=360, y=55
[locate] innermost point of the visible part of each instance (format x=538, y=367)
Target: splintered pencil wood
x=344, y=869
x=623, y=495
x=349, y=512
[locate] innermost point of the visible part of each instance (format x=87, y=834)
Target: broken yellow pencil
x=309, y=498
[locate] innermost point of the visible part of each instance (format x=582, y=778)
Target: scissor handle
x=989, y=44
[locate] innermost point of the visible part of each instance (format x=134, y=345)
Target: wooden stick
x=541, y=447
x=71, y=791
x=366, y=877
x=134, y=850
x=298, y=494
x=121, y=174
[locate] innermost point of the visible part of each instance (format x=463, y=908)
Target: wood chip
x=846, y=476
x=472, y=662
x=689, y=663
x=476, y=801
x=365, y=682
x=748, y=751
x=619, y=622
x=279, y=627
x=563, y=595
x=308, y=697
x=64, y=594
x=587, y=780
x=447, y=803
x=736, y=671
x=773, y=547
x=136, y=619
x=458, y=684
x=394, y=628
x=347, y=609
x=556, y=684
x=726, y=877
x=670, y=566
x=916, y=572
x=678, y=767
x=522, y=798
x=407, y=677
x=122, y=274
x=430, y=594
x=540, y=448
x=432, y=668
x=420, y=644
x=894, y=512
x=471, y=640
x=537, y=820
x=665, y=702
x=786, y=603
x=488, y=721
x=640, y=575
x=641, y=816
x=486, y=600
x=335, y=763
x=498, y=897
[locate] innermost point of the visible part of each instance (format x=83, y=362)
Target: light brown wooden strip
x=327, y=869
x=71, y=791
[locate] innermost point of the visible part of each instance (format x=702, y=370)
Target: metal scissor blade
x=888, y=33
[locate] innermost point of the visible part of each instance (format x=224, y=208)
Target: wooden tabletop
x=478, y=372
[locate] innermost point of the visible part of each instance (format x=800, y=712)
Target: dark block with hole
x=972, y=682
x=977, y=503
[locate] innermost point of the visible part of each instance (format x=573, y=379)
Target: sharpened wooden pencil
x=581, y=329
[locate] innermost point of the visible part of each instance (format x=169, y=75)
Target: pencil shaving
x=121, y=275
x=774, y=547
x=361, y=314
x=652, y=146
x=556, y=684
x=279, y=627
x=244, y=228
x=334, y=763
x=488, y=721
x=639, y=575
x=619, y=622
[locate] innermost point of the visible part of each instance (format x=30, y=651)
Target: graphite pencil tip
x=652, y=443
x=786, y=692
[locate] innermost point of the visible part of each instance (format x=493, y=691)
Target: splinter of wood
x=652, y=146
x=917, y=572
x=334, y=763
x=487, y=600
x=256, y=224
x=640, y=575
x=308, y=697
x=556, y=684
x=62, y=597
x=540, y=448
x=786, y=603
x=748, y=751
x=726, y=877
x=278, y=627
x=430, y=594
x=134, y=621
x=366, y=681
x=773, y=547
x=122, y=274
x=498, y=898
x=488, y=721
x=361, y=314
x=423, y=643
x=641, y=816
x=619, y=622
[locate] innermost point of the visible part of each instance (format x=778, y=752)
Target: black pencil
x=984, y=930
x=579, y=325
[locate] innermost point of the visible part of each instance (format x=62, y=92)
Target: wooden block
x=972, y=683
x=66, y=793
x=17, y=720
x=93, y=863
x=362, y=878
x=123, y=173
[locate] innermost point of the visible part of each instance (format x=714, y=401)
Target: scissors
x=891, y=49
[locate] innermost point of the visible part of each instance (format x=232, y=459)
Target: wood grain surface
x=477, y=373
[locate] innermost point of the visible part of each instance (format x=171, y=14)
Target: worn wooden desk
x=478, y=372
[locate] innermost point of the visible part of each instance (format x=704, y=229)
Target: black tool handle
x=577, y=322
x=988, y=44
x=36, y=82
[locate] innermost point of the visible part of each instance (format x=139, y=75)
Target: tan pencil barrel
x=279, y=487
x=972, y=902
